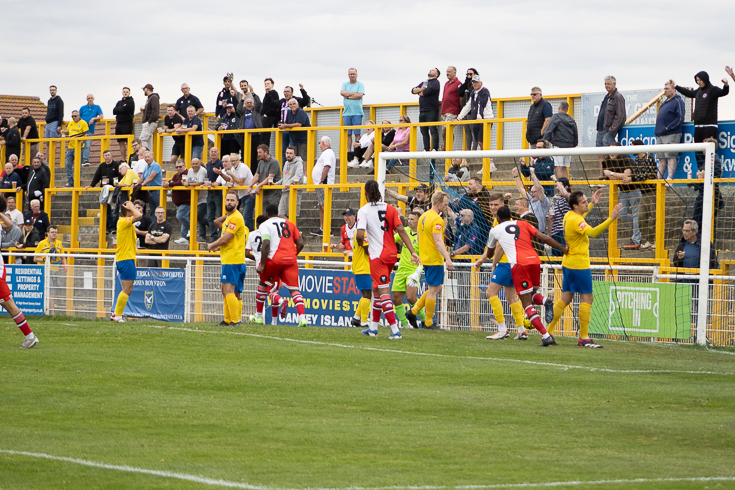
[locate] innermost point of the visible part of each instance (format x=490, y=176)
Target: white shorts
x=563, y=161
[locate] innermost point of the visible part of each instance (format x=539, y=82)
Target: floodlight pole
x=707, y=210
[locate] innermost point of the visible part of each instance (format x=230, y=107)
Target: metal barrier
x=87, y=290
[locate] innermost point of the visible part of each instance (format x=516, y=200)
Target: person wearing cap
x=419, y=200
x=229, y=122
x=478, y=106
x=150, y=116
x=347, y=233
x=228, y=95
x=30, y=240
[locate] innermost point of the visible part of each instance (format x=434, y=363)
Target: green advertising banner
x=642, y=310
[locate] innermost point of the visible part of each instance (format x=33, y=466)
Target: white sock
x=258, y=315
x=302, y=317
x=30, y=336
x=546, y=335
x=521, y=329
x=394, y=328
x=502, y=327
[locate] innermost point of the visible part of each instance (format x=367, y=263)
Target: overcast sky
x=567, y=46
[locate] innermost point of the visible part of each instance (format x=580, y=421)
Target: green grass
x=334, y=413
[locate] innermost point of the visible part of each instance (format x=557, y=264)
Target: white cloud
x=564, y=47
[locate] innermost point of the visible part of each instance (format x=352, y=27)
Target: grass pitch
x=293, y=408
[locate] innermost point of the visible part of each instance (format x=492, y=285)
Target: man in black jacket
x=562, y=133
x=106, y=173
x=124, y=111
x=11, y=139
x=428, y=92
x=705, y=107
x=37, y=182
x=28, y=128
x=611, y=117
x=250, y=118
x=539, y=115
x=271, y=111
x=231, y=143
x=54, y=114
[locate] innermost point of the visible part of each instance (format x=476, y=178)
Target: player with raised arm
x=281, y=243
x=575, y=266
x=6, y=298
x=514, y=240
x=501, y=277
x=231, y=245
x=279, y=305
x=406, y=280
x=378, y=222
x=434, y=256
x=125, y=256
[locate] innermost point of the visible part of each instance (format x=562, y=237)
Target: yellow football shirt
x=360, y=258
x=233, y=252
x=130, y=176
x=577, y=233
x=430, y=223
x=46, y=247
x=126, y=239
x=74, y=128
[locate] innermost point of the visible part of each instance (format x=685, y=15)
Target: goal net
x=650, y=268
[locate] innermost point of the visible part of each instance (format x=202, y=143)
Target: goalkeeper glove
x=413, y=279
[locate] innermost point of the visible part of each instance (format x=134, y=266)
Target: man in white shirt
x=139, y=166
x=241, y=176
x=15, y=216
x=323, y=173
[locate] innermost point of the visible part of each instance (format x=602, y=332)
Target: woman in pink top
x=401, y=142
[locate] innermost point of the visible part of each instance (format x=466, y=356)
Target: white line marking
x=232, y=484
x=495, y=359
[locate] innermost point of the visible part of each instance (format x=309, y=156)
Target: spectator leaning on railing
x=193, y=123
x=622, y=168
x=401, y=142
x=689, y=251
x=250, y=118
x=171, y=122
x=182, y=200
x=152, y=177
x=11, y=180
x=268, y=171
x=124, y=112
x=240, y=175
x=196, y=177
x=159, y=234
x=296, y=118
x=186, y=100
x=293, y=173
x=11, y=139
x=29, y=241
x=39, y=217
x=16, y=216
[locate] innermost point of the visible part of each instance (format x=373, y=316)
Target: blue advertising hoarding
x=157, y=293
x=26, y=283
x=330, y=298
x=687, y=161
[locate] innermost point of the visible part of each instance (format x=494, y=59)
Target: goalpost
x=429, y=168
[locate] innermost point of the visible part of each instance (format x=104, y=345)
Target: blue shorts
x=126, y=269
x=503, y=275
x=352, y=121
x=233, y=274
x=363, y=282
x=434, y=275
x=576, y=281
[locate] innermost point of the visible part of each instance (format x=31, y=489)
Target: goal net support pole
x=707, y=209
